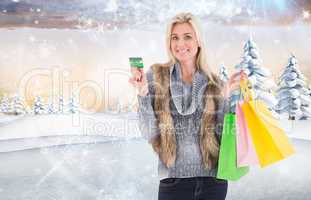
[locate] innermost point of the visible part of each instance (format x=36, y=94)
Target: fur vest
x=165, y=144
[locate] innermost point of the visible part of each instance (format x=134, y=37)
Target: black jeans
x=194, y=188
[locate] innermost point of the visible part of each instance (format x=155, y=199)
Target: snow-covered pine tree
x=50, y=106
x=292, y=93
x=223, y=73
x=18, y=105
x=258, y=75
x=309, y=90
x=38, y=106
x=119, y=106
x=73, y=104
x=61, y=105
x=5, y=104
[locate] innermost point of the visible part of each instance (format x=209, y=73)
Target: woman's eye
x=174, y=38
x=188, y=37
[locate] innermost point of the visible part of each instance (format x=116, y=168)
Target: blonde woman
x=181, y=110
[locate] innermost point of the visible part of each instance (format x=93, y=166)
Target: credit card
x=136, y=62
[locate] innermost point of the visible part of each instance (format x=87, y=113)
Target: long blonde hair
x=201, y=59
x=165, y=144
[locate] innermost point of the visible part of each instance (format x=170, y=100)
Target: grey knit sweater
x=187, y=107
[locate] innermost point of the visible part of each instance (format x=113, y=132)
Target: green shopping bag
x=227, y=163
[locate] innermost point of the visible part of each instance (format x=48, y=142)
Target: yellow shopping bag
x=271, y=143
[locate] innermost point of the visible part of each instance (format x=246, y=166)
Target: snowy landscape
x=53, y=160
x=27, y=132
x=68, y=116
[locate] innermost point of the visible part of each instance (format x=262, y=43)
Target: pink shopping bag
x=246, y=154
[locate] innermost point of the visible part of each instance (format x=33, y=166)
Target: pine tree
x=258, y=76
x=119, y=106
x=38, y=107
x=292, y=93
x=309, y=90
x=50, y=107
x=5, y=104
x=18, y=105
x=61, y=105
x=223, y=73
x=73, y=105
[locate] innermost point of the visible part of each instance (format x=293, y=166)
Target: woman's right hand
x=139, y=81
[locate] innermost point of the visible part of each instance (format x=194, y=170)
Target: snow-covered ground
x=127, y=170
x=79, y=124
x=27, y=132
x=49, y=141
x=6, y=119
x=300, y=129
x=32, y=131
x=71, y=157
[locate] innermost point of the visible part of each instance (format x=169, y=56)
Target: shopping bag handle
x=246, y=92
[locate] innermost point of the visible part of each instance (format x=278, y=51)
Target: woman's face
x=184, y=44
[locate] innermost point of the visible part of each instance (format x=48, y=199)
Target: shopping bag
x=270, y=141
x=227, y=163
x=246, y=154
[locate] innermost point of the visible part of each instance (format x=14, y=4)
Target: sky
x=126, y=13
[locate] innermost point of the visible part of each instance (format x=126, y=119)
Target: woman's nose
x=181, y=43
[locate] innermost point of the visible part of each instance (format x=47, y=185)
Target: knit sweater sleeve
x=220, y=115
x=146, y=116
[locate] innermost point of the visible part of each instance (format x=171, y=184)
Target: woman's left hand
x=233, y=83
